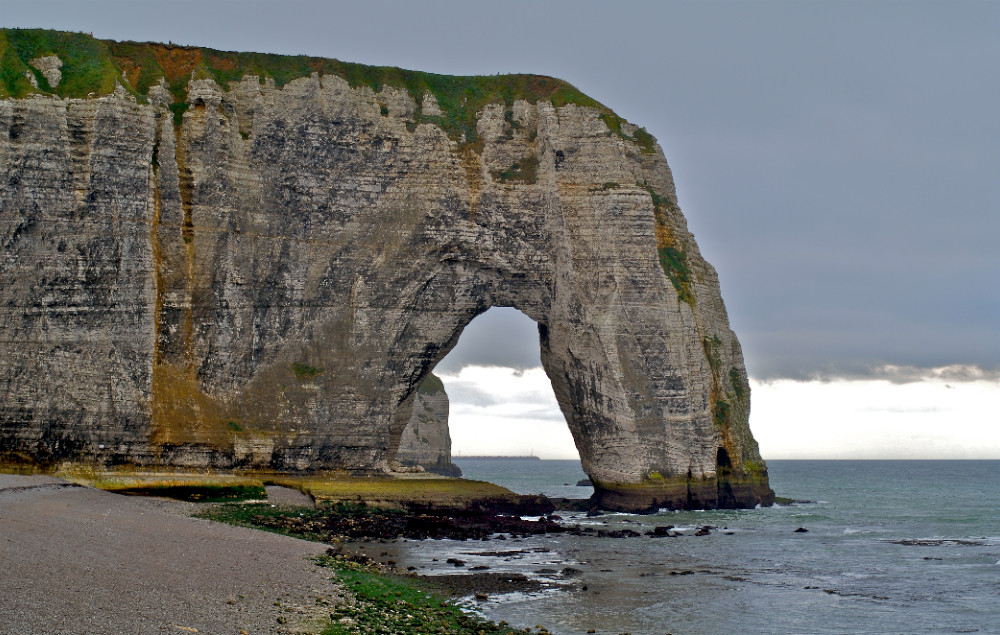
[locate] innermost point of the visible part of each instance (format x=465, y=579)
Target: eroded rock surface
x=259, y=277
x=425, y=440
x=49, y=66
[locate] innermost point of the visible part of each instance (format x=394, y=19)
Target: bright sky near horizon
x=837, y=162
x=508, y=407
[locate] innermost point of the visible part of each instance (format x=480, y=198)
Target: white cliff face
x=49, y=66
x=267, y=283
x=425, y=441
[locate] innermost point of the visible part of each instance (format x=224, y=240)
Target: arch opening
x=500, y=404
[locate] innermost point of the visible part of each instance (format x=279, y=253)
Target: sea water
x=888, y=547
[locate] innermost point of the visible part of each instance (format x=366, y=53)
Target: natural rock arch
x=262, y=281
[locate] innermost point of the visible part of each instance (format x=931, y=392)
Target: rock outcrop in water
x=425, y=440
x=241, y=261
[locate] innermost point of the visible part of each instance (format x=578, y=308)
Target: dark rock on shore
x=572, y=504
x=464, y=584
x=617, y=533
x=364, y=523
x=521, y=505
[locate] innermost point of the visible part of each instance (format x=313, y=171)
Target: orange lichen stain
x=543, y=85
x=176, y=62
x=130, y=68
x=664, y=236
x=662, y=208
x=223, y=63
x=473, y=165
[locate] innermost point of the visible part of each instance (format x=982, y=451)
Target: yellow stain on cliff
x=183, y=413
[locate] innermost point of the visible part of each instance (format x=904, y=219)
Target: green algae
x=93, y=66
x=380, y=599
x=391, y=603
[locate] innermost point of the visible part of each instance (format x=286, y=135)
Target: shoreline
x=478, y=559
x=355, y=539
x=79, y=559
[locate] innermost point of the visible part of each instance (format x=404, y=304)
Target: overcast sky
x=838, y=162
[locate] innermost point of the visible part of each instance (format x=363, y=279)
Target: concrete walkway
x=83, y=561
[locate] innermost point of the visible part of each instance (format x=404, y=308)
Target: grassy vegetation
x=95, y=66
x=673, y=259
x=522, y=171
x=711, y=347
x=462, y=98
x=721, y=412
x=250, y=515
x=674, y=264
x=662, y=206
x=22, y=469
x=643, y=139
x=510, y=124
x=87, y=63
x=386, y=603
x=395, y=492
x=736, y=380
x=380, y=600
x=178, y=109
x=305, y=371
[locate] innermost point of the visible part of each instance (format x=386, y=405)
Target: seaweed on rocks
x=361, y=522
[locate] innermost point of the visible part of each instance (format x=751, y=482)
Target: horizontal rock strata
x=426, y=441
x=221, y=261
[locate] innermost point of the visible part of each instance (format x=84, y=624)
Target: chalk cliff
x=243, y=261
x=425, y=440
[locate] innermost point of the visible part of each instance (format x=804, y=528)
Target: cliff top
x=88, y=66
x=431, y=383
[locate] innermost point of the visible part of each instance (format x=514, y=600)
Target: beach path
x=80, y=560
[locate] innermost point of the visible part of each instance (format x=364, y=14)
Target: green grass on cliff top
x=93, y=67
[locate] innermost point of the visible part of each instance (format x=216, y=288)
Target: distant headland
x=495, y=457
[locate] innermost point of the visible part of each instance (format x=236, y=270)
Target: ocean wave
x=939, y=542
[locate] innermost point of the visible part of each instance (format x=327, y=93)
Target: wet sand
x=80, y=560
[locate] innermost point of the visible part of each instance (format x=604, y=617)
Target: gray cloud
x=896, y=374
x=500, y=337
x=837, y=161
x=468, y=394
